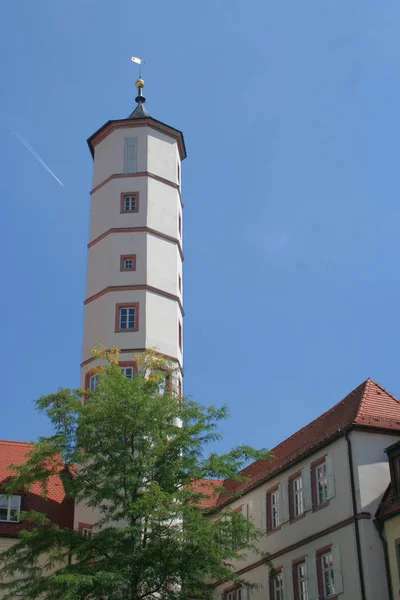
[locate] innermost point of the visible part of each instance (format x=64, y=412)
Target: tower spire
x=140, y=112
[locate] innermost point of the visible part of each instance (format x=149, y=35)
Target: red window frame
x=271, y=529
x=124, y=257
x=180, y=224
x=319, y=554
x=82, y=526
x=295, y=565
x=118, y=307
x=179, y=283
x=122, y=205
x=314, y=465
x=180, y=335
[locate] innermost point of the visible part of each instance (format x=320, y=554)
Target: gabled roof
x=57, y=506
x=209, y=488
x=369, y=406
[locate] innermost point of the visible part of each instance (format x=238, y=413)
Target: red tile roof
x=57, y=507
x=208, y=487
x=369, y=405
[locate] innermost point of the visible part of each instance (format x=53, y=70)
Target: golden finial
x=140, y=83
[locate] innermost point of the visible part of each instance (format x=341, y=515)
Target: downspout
x=356, y=523
x=386, y=555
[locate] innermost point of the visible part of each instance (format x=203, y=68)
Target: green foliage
x=139, y=455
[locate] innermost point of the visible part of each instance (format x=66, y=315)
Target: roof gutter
x=356, y=521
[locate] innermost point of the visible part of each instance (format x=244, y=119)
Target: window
x=322, y=481
x=130, y=155
x=10, y=507
x=180, y=336
x=85, y=529
x=128, y=262
x=127, y=317
x=127, y=371
x=328, y=581
x=298, y=501
x=180, y=225
x=93, y=383
x=277, y=587
x=129, y=202
x=86, y=532
x=301, y=581
x=237, y=594
x=179, y=173
x=321, y=484
x=273, y=509
x=180, y=283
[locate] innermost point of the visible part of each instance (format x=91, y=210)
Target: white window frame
x=127, y=309
x=86, y=532
x=275, y=509
x=278, y=587
x=9, y=508
x=128, y=264
x=321, y=483
x=93, y=382
x=331, y=574
x=130, y=203
x=302, y=581
x=125, y=370
x=298, y=498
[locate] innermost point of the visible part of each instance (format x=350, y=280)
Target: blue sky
x=290, y=112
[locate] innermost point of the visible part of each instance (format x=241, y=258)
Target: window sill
x=298, y=518
x=316, y=509
x=271, y=531
x=126, y=330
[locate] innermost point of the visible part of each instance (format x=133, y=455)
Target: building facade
x=315, y=503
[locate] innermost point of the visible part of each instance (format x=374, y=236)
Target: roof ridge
x=330, y=410
x=363, y=398
x=383, y=389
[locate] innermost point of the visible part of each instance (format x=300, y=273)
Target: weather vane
x=139, y=62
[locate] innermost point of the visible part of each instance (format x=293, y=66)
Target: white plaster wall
x=85, y=514
x=343, y=537
x=99, y=322
x=163, y=208
x=162, y=318
x=104, y=262
x=163, y=264
x=373, y=559
x=162, y=155
x=371, y=467
x=106, y=205
x=6, y=543
x=109, y=153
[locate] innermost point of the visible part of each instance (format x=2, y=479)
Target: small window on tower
x=130, y=155
x=128, y=262
x=130, y=202
x=127, y=317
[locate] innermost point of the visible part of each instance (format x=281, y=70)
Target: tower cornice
x=112, y=125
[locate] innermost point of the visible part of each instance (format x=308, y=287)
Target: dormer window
x=10, y=507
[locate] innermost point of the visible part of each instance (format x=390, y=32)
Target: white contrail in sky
x=35, y=154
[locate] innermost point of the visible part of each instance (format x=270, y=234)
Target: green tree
x=140, y=455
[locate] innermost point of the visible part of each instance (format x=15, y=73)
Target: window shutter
x=330, y=475
x=245, y=511
x=337, y=569
x=288, y=583
x=247, y=592
x=284, y=501
x=266, y=588
x=264, y=513
x=130, y=154
x=306, y=479
x=312, y=581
